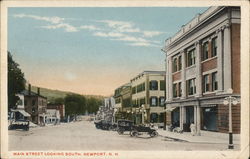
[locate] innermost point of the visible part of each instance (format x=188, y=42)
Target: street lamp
x=229, y=101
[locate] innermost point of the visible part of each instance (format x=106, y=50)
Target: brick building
x=202, y=64
x=59, y=107
x=36, y=105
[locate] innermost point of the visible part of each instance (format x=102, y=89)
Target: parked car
x=140, y=129
x=124, y=125
x=19, y=124
x=104, y=125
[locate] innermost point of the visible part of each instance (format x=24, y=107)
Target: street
x=83, y=135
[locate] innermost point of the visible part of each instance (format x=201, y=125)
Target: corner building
x=202, y=64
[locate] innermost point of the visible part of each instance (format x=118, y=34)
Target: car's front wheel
x=153, y=134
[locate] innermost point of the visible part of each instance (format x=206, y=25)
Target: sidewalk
x=205, y=137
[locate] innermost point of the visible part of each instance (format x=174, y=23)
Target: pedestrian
x=192, y=128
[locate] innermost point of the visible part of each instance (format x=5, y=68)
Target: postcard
x=124, y=79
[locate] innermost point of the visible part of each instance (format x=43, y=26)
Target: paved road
x=84, y=136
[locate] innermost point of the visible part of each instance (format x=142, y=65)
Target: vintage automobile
x=140, y=129
x=124, y=125
x=104, y=125
x=19, y=124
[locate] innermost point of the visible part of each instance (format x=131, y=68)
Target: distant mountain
x=53, y=94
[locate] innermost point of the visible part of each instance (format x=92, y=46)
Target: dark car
x=140, y=129
x=19, y=124
x=104, y=125
x=124, y=125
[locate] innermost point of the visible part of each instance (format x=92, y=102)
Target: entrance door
x=175, y=117
x=189, y=118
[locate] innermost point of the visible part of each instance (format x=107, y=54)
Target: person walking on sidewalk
x=192, y=128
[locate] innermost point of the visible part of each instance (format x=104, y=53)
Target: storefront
x=209, y=118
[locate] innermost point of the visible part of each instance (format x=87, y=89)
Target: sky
x=91, y=50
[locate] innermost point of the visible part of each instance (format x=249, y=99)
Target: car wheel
x=134, y=134
x=153, y=134
x=120, y=132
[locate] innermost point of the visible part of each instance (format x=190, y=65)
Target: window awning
x=169, y=109
x=21, y=111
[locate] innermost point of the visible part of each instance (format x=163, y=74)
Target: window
x=162, y=101
x=191, y=87
x=175, y=65
x=175, y=90
x=133, y=90
x=179, y=89
x=179, y=63
x=205, y=83
x=191, y=58
x=153, y=85
x=153, y=101
x=154, y=118
x=214, y=47
x=134, y=103
x=205, y=51
x=25, y=102
x=140, y=87
x=142, y=101
x=126, y=102
x=162, y=85
x=118, y=100
x=214, y=81
x=33, y=102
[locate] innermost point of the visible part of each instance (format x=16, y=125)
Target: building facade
x=35, y=105
x=59, y=107
x=148, y=97
x=123, y=101
x=202, y=64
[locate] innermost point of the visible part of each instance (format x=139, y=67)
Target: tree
x=93, y=104
x=16, y=81
x=75, y=104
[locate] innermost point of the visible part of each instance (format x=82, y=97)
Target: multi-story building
x=202, y=64
x=36, y=105
x=148, y=97
x=123, y=100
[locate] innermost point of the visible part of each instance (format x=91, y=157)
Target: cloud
x=108, y=34
x=66, y=26
x=121, y=26
x=54, y=20
x=152, y=33
x=89, y=27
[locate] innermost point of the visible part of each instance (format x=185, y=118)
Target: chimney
x=29, y=89
x=38, y=90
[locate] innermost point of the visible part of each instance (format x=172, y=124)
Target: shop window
x=205, y=51
x=153, y=101
x=162, y=101
x=214, y=47
x=191, y=87
x=205, y=83
x=214, y=81
x=162, y=85
x=153, y=85
x=154, y=118
x=191, y=58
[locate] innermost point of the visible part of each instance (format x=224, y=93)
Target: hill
x=53, y=94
